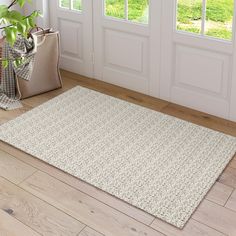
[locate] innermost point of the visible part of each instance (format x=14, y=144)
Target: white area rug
x=153, y=161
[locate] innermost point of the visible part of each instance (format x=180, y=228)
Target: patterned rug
x=158, y=163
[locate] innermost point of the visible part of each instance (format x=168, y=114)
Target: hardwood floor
x=38, y=199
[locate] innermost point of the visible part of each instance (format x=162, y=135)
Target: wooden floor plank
x=9, y=115
x=232, y=164
x=9, y=226
x=13, y=169
x=89, y=232
x=201, y=118
x=116, y=91
x=35, y=213
x=219, y=193
x=120, y=205
x=39, y=99
x=36, y=100
x=192, y=228
x=228, y=177
x=217, y=217
x=97, y=215
x=231, y=203
x=102, y=196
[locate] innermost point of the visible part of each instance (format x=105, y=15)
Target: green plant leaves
x=17, y=62
x=22, y=29
x=5, y=63
x=3, y=11
x=12, y=23
x=14, y=16
x=11, y=33
x=16, y=23
x=22, y=2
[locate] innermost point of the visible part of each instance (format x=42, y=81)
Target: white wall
x=42, y=6
x=7, y=2
x=4, y=2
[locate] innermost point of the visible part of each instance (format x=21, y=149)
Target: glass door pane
x=138, y=11
x=71, y=4
x=65, y=3
x=189, y=15
x=219, y=18
x=129, y=10
x=77, y=5
x=115, y=8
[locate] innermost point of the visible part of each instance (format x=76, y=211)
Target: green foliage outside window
x=219, y=17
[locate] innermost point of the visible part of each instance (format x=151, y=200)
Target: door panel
x=197, y=70
x=127, y=67
x=73, y=19
x=123, y=47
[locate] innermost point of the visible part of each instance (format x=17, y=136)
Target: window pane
x=219, y=18
x=65, y=3
x=77, y=5
x=115, y=8
x=138, y=10
x=189, y=15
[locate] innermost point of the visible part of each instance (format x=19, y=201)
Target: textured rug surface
x=158, y=163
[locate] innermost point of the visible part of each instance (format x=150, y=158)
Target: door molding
x=155, y=26
x=232, y=113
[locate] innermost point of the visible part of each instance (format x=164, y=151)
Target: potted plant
x=13, y=23
x=25, y=56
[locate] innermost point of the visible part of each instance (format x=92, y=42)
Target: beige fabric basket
x=46, y=74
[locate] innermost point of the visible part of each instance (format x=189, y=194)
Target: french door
x=74, y=20
x=127, y=44
x=113, y=47
x=182, y=51
x=198, y=55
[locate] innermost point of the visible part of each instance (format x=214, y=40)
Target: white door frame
x=43, y=6
x=232, y=114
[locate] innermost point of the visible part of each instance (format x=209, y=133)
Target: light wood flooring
x=38, y=199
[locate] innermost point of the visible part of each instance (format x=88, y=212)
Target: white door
x=73, y=18
x=197, y=55
x=127, y=44
x=182, y=51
